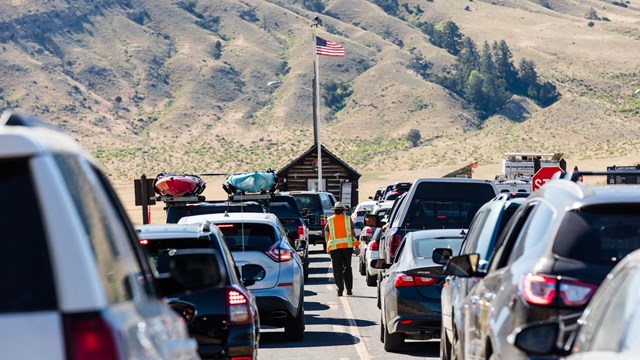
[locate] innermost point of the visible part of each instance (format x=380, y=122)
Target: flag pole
x=317, y=103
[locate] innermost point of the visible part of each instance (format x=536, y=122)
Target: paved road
x=345, y=327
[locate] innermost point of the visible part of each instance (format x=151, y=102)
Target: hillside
x=183, y=85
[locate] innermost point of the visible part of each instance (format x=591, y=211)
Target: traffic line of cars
x=550, y=275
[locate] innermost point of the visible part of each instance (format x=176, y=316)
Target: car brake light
x=222, y=226
x=144, y=242
x=396, y=239
x=404, y=280
x=543, y=290
x=576, y=293
x=538, y=289
x=373, y=246
x=321, y=219
x=239, y=311
x=278, y=254
x=301, y=232
x=89, y=336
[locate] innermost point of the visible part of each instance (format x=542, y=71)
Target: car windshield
x=282, y=210
x=307, y=201
x=446, y=205
x=423, y=248
x=599, y=234
x=248, y=236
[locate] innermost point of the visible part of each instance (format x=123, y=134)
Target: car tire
x=372, y=280
x=381, y=330
x=306, y=268
x=379, y=304
x=324, y=246
x=392, y=342
x=445, y=345
x=294, y=326
x=362, y=268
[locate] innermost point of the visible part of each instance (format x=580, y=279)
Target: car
x=76, y=284
x=177, y=209
x=396, y=190
x=481, y=238
x=607, y=329
x=357, y=215
x=260, y=239
x=433, y=203
x=369, y=246
x=320, y=205
x=378, y=194
x=225, y=320
x=410, y=287
x=558, y=247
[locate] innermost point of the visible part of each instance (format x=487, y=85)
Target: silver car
x=256, y=238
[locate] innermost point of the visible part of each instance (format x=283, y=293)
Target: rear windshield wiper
x=240, y=247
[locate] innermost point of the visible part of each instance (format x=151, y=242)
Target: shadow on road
x=313, y=319
x=315, y=270
x=319, y=259
x=308, y=293
x=421, y=348
x=315, y=306
x=276, y=339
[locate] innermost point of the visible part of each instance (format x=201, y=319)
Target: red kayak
x=178, y=185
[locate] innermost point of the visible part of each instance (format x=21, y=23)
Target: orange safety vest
x=340, y=233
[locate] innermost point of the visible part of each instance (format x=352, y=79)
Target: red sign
x=542, y=176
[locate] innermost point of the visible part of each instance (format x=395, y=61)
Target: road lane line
x=358, y=341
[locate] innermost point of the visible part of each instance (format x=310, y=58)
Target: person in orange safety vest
x=340, y=243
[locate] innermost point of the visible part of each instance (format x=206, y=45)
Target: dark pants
x=341, y=262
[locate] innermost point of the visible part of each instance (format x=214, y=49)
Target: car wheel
x=381, y=330
x=379, y=304
x=362, y=267
x=445, y=345
x=392, y=342
x=372, y=280
x=294, y=326
x=306, y=269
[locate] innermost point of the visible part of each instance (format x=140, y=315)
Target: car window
x=282, y=210
x=423, y=248
x=114, y=260
x=533, y=234
x=326, y=203
x=400, y=251
x=307, y=201
x=377, y=234
x=508, y=238
x=475, y=229
x=156, y=246
x=248, y=236
x=27, y=280
x=437, y=205
x=601, y=234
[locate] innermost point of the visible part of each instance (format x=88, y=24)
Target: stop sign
x=542, y=176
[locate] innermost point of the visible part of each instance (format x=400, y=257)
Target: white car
x=260, y=238
x=75, y=282
x=357, y=216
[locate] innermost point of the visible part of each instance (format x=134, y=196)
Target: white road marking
x=352, y=329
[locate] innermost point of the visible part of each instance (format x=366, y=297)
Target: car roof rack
x=11, y=118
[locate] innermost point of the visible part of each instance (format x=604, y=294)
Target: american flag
x=328, y=48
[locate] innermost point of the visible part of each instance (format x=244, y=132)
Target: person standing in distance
x=340, y=243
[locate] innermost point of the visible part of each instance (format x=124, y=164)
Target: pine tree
x=527, y=76
x=504, y=64
x=487, y=66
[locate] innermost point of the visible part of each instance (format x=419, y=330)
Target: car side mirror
x=251, y=273
x=180, y=271
x=379, y=264
x=300, y=248
x=370, y=197
x=372, y=220
x=463, y=266
x=441, y=255
x=538, y=339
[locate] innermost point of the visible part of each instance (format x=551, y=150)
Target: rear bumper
x=416, y=326
x=316, y=236
x=241, y=341
x=274, y=310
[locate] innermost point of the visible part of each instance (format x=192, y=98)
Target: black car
x=549, y=260
x=226, y=321
x=286, y=209
x=319, y=204
x=176, y=210
x=410, y=289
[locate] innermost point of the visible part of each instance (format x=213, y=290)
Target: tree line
x=486, y=78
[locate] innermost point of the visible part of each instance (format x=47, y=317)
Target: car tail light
x=321, y=219
x=373, y=246
x=544, y=290
x=396, y=239
x=144, y=242
x=404, y=280
x=301, y=232
x=239, y=310
x=89, y=337
x=278, y=254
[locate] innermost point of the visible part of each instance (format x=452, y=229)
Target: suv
x=75, y=281
x=176, y=210
x=225, y=321
x=260, y=239
x=481, y=238
x=434, y=203
x=319, y=204
x=551, y=257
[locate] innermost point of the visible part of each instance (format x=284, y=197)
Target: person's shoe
x=339, y=293
x=349, y=292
